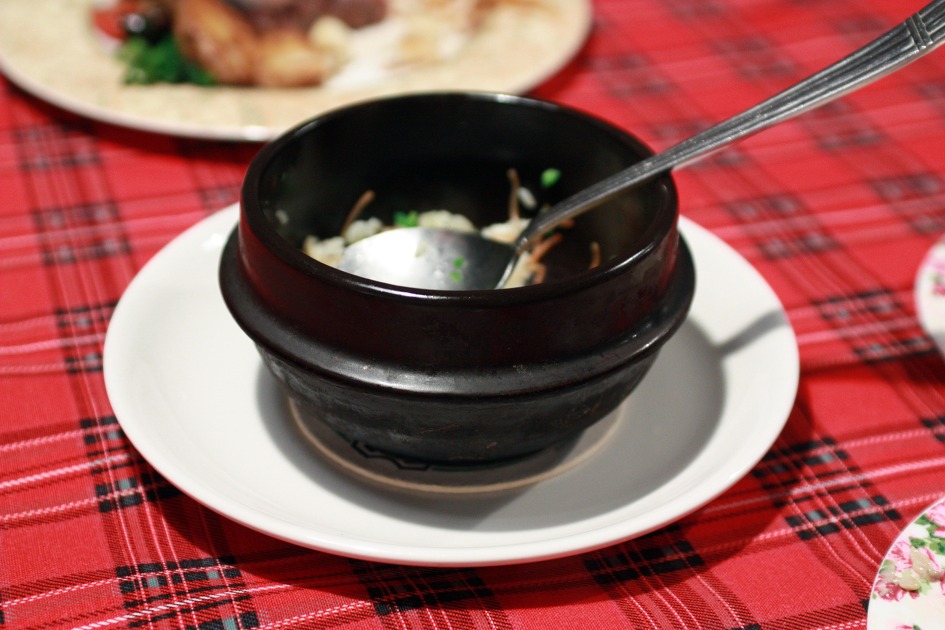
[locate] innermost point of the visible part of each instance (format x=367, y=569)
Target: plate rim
x=12, y=67
x=606, y=534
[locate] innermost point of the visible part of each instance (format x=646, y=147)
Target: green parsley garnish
x=457, y=275
x=550, y=177
x=407, y=219
x=160, y=62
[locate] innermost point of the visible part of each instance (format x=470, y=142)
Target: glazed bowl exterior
x=460, y=377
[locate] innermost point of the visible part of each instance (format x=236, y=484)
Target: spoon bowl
x=430, y=258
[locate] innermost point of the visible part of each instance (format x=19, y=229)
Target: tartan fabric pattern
x=835, y=210
x=634, y=561
x=147, y=586
x=406, y=592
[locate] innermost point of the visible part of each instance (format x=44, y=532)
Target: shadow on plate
x=661, y=428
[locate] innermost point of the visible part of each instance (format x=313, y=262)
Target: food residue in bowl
x=528, y=270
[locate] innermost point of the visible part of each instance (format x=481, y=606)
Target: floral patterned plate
x=930, y=294
x=909, y=592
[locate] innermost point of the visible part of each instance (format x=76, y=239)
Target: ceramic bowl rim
x=252, y=218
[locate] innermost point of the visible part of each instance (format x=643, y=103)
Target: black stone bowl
x=461, y=377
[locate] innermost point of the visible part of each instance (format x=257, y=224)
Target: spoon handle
x=916, y=36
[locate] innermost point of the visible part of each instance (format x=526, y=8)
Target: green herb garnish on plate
x=159, y=62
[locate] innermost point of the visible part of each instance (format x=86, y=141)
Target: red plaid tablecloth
x=835, y=209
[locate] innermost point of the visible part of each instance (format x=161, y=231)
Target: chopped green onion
x=407, y=219
x=457, y=275
x=550, y=177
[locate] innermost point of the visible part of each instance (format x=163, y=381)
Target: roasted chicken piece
x=218, y=38
x=266, y=42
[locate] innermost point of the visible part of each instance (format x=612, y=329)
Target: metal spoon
x=448, y=260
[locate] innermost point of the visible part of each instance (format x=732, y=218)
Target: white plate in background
x=49, y=49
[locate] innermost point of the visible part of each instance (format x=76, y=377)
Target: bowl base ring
x=393, y=471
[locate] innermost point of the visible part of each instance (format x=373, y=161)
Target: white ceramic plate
x=48, y=48
x=930, y=293
x=192, y=395
x=921, y=604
